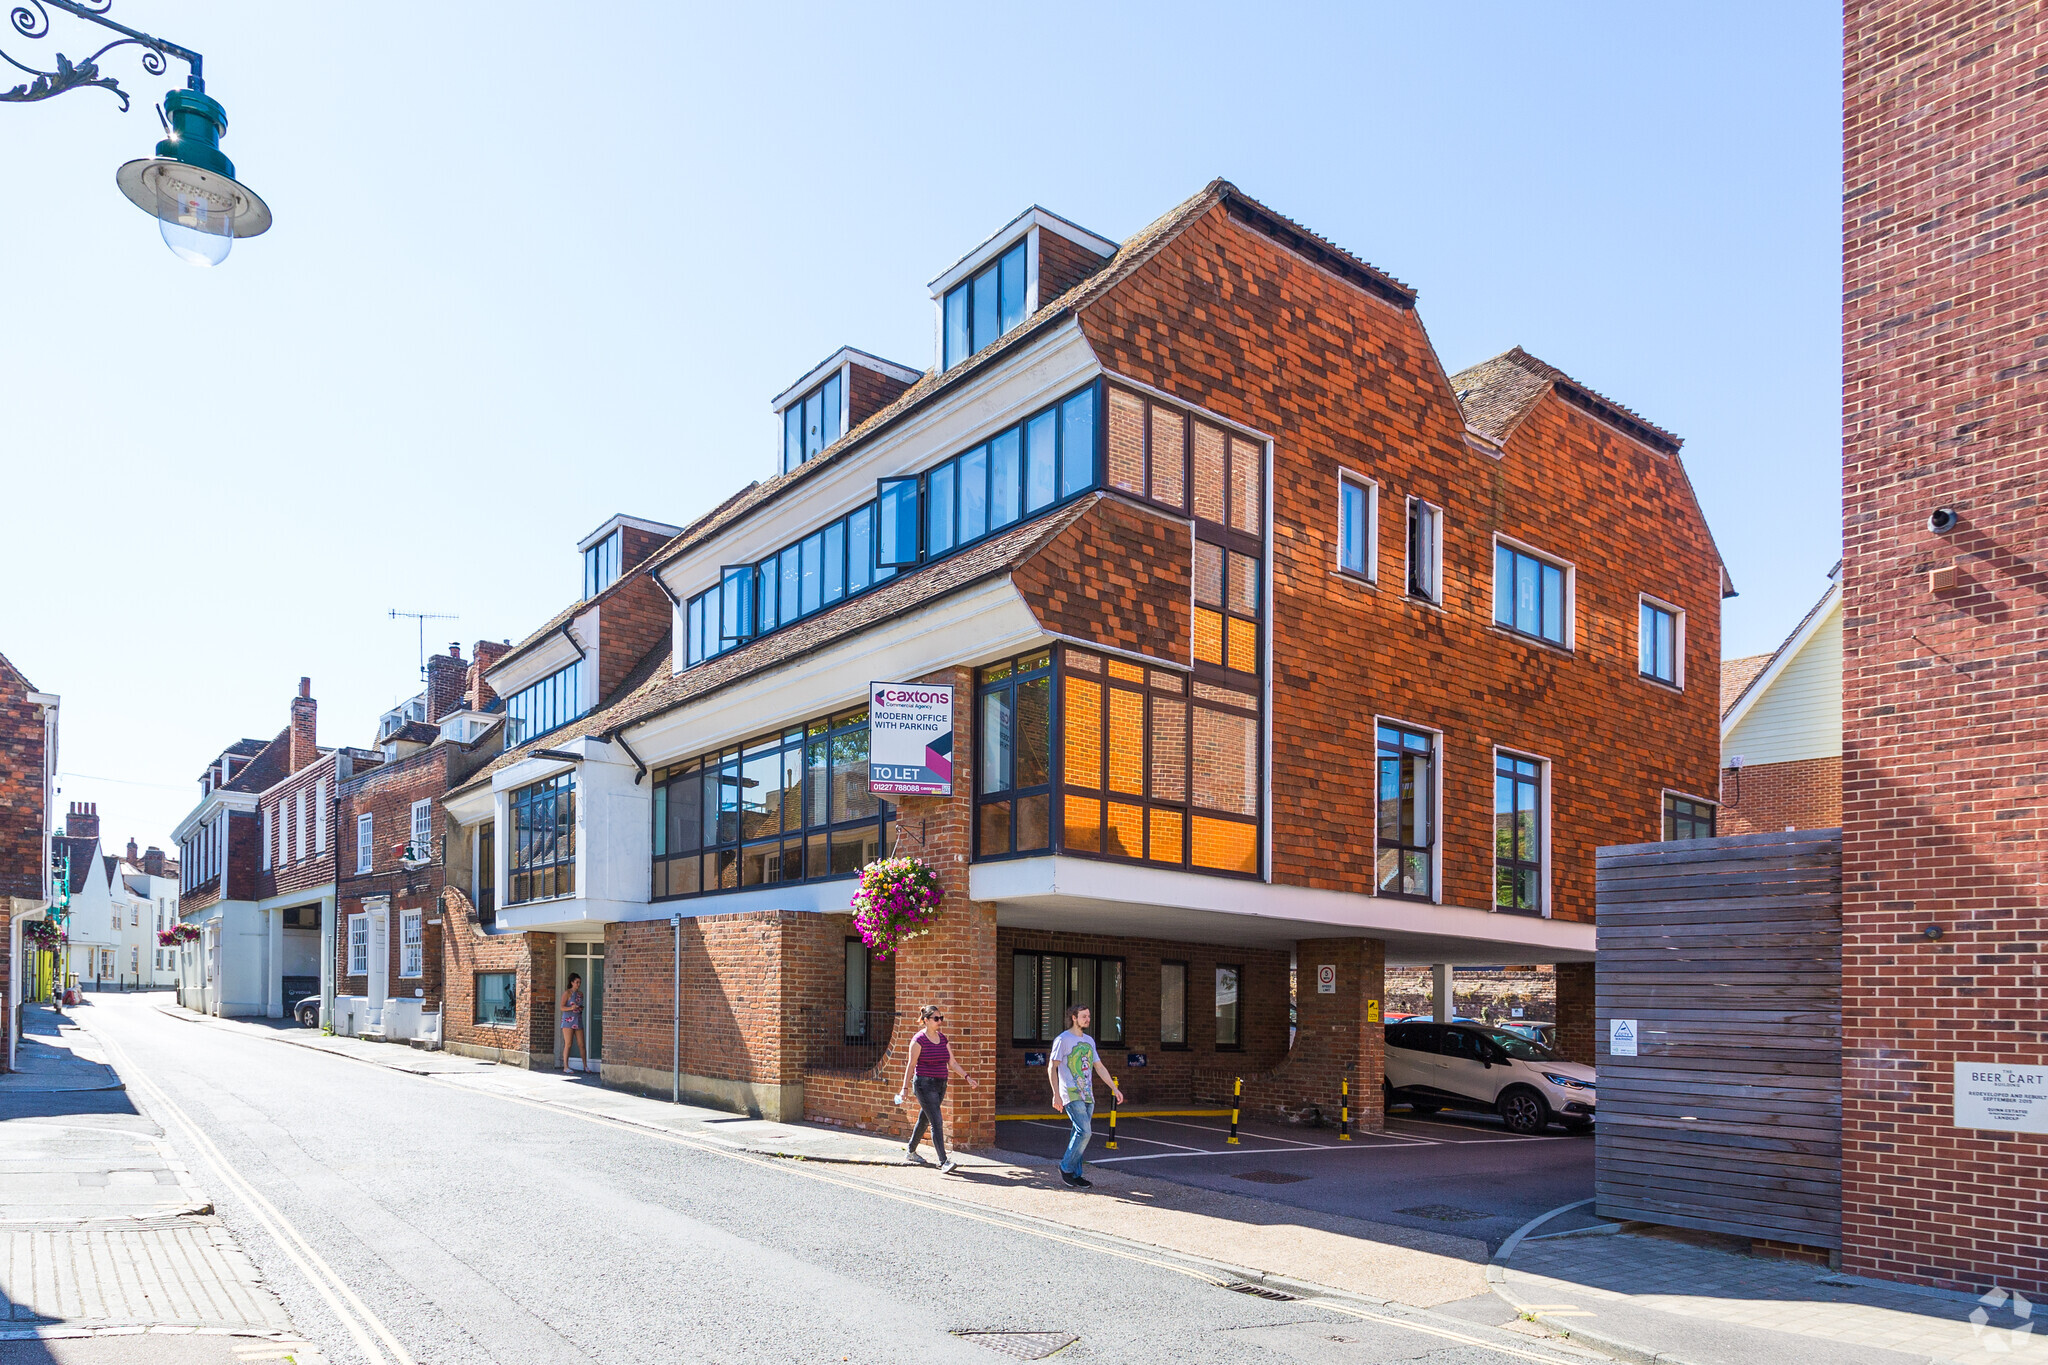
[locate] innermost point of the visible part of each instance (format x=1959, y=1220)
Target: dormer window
x=601, y=565
x=814, y=421
x=986, y=304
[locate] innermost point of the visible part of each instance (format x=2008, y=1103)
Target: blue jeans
x=1081, y=1113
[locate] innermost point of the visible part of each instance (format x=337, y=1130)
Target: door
x=1411, y=1056
x=380, y=964
x=1466, y=1070
x=587, y=961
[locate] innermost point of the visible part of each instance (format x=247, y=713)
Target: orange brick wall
x=1763, y=797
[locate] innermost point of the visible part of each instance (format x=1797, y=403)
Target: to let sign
x=2012, y=1099
x=910, y=739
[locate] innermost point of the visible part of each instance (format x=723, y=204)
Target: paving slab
x=55, y=1055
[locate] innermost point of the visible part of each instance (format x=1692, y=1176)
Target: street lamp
x=189, y=186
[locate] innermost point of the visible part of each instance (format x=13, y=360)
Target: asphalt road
x=406, y=1219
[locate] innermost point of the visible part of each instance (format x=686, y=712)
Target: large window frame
x=1408, y=831
x=1660, y=641
x=1030, y=467
x=601, y=565
x=547, y=704
x=496, y=997
x=1044, y=984
x=1534, y=594
x=1013, y=772
x=1521, y=834
x=707, y=841
x=1685, y=815
x=814, y=421
x=540, y=855
x=985, y=306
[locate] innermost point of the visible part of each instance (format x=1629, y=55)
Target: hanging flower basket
x=898, y=900
x=43, y=933
x=177, y=936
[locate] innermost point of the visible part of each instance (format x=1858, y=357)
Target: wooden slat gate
x=1727, y=955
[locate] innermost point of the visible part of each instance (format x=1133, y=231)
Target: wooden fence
x=1726, y=954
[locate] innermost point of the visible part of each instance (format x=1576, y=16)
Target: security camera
x=1942, y=520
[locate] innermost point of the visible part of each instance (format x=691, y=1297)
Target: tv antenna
x=423, y=617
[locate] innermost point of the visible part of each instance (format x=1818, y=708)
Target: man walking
x=1071, y=1071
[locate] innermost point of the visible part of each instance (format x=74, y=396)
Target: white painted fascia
x=568, y=913
x=1830, y=604
x=833, y=897
x=1052, y=365
x=979, y=624
x=659, y=528
x=44, y=699
x=528, y=771
x=839, y=360
x=1118, y=898
x=286, y=899
x=1006, y=237
x=472, y=807
x=551, y=655
x=216, y=801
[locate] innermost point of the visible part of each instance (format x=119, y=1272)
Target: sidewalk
x=1646, y=1293
x=104, y=1235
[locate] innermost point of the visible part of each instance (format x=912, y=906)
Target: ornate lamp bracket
x=31, y=19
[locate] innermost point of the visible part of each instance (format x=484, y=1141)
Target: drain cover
x=1258, y=1291
x=1268, y=1177
x=1443, y=1213
x=1021, y=1345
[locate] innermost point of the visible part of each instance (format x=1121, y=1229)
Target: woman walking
x=571, y=1025
x=925, y=1070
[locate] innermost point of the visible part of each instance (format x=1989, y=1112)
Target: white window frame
x=1434, y=553
x=1544, y=875
x=1570, y=643
x=421, y=836
x=1677, y=682
x=320, y=816
x=1371, y=489
x=269, y=830
x=302, y=837
x=359, y=943
x=412, y=944
x=365, y=842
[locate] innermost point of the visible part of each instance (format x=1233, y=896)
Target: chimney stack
x=484, y=658
x=305, y=727
x=84, y=821
x=134, y=853
x=445, y=674
x=153, y=861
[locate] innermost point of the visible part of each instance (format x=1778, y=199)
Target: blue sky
x=536, y=264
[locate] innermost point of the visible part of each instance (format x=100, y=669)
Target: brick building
x=1781, y=730
x=1274, y=646
x=1945, y=220
x=28, y=794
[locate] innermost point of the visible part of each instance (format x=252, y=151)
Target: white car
x=1471, y=1066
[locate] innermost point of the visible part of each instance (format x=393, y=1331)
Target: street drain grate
x=1021, y=1345
x=1268, y=1177
x=1442, y=1213
x=1259, y=1291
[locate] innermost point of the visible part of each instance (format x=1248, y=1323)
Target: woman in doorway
x=571, y=1025
x=925, y=1071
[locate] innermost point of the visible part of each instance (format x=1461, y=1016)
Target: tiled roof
x=268, y=768
x=82, y=851
x=1496, y=394
x=414, y=732
x=654, y=664
x=1736, y=676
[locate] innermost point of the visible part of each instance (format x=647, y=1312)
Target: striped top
x=932, y=1057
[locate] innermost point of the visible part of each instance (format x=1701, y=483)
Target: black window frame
x=1518, y=771
x=487, y=873
x=965, y=291
x=545, y=705
x=799, y=438
x=1399, y=748
x=537, y=857
x=1003, y=681
x=1236, y=1044
x=856, y=1021
x=1049, y=1012
x=1507, y=557
x=1675, y=817
x=600, y=558
x=1182, y=1045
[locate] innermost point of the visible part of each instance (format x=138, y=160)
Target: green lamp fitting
x=197, y=122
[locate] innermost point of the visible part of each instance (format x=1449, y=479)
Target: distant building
x=151, y=879
x=1781, y=728
x=28, y=791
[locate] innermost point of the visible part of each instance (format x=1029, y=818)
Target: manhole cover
x=1443, y=1213
x=1268, y=1177
x=1259, y=1291
x=1021, y=1345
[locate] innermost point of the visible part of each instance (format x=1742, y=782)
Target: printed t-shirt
x=1075, y=1057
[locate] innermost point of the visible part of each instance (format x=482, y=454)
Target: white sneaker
x=945, y=1167
x=912, y=1155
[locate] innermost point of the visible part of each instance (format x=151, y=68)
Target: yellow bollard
x=1236, y=1098
x=1344, y=1128
x=1112, y=1118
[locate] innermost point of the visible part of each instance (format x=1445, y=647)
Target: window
x=320, y=816
x=412, y=955
x=601, y=565
x=553, y=701
x=813, y=422
x=496, y=996
x=422, y=829
x=269, y=833
x=1425, y=550
x=1687, y=817
x=541, y=856
x=359, y=943
x=1228, y=1015
x=982, y=308
x=915, y=518
x=1660, y=642
x=1157, y=766
x=1531, y=596
x=1357, y=516
x=1042, y=985
x=1147, y=449
x=1517, y=834
x=363, y=846
x=789, y=806
x=1226, y=608
x=1173, y=1004
x=1407, y=813
x=487, y=873
x=1013, y=777
x=301, y=829
x=856, y=990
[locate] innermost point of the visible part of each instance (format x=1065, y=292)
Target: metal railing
x=845, y=1042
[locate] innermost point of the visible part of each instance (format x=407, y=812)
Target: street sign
x=1621, y=1037
x=1326, y=980
x=910, y=739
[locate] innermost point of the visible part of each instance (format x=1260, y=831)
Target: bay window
x=1013, y=774
x=541, y=852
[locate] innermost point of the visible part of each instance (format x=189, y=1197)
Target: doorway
x=587, y=961
x=379, y=984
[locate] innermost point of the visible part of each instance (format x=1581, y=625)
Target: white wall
x=1799, y=714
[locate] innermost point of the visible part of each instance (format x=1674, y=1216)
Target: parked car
x=1473, y=1066
x=1545, y=1034
x=307, y=1012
